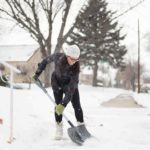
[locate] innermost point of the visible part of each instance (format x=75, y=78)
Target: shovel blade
x=75, y=135
x=84, y=132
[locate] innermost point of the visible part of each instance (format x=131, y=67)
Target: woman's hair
x=75, y=67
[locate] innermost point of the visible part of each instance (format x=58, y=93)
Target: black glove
x=37, y=74
x=35, y=77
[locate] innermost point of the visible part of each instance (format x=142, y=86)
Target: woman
x=64, y=80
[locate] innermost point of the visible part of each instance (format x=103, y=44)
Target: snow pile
x=122, y=100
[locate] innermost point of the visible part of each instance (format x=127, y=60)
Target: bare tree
x=129, y=75
x=29, y=14
x=146, y=79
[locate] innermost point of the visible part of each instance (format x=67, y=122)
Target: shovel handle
x=39, y=84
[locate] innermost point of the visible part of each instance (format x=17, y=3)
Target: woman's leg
x=58, y=97
x=58, y=118
x=77, y=106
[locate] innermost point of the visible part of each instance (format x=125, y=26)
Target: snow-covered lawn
x=112, y=128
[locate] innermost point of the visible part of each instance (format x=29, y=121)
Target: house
x=23, y=57
x=103, y=78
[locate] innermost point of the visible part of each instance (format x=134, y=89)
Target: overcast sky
x=128, y=21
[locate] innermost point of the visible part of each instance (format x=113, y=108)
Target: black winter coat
x=64, y=77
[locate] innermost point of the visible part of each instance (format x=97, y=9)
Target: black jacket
x=64, y=77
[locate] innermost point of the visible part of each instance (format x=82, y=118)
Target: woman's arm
x=70, y=89
x=42, y=65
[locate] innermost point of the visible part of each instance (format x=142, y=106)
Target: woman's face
x=71, y=61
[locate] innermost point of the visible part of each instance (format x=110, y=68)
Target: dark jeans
x=75, y=103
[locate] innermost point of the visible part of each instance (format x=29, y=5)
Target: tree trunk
x=95, y=69
x=132, y=81
x=47, y=75
x=61, y=38
x=49, y=68
x=133, y=84
x=59, y=45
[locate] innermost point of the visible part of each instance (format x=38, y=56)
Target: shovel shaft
x=39, y=84
x=73, y=132
x=63, y=113
x=69, y=121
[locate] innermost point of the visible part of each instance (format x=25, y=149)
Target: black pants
x=75, y=103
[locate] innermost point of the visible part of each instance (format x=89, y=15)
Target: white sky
x=34, y=124
x=14, y=35
x=128, y=21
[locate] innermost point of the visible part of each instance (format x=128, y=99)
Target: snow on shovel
x=77, y=134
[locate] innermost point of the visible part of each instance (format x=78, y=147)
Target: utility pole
x=138, y=56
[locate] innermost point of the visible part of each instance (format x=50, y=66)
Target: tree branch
x=64, y=20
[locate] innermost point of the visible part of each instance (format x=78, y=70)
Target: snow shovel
x=77, y=134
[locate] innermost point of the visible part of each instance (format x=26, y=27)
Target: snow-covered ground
x=112, y=128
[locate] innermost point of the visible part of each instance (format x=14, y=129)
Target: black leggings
x=75, y=103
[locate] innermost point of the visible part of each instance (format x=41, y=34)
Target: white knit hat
x=72, y=51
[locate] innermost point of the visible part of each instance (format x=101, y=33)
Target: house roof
x=17, y=52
